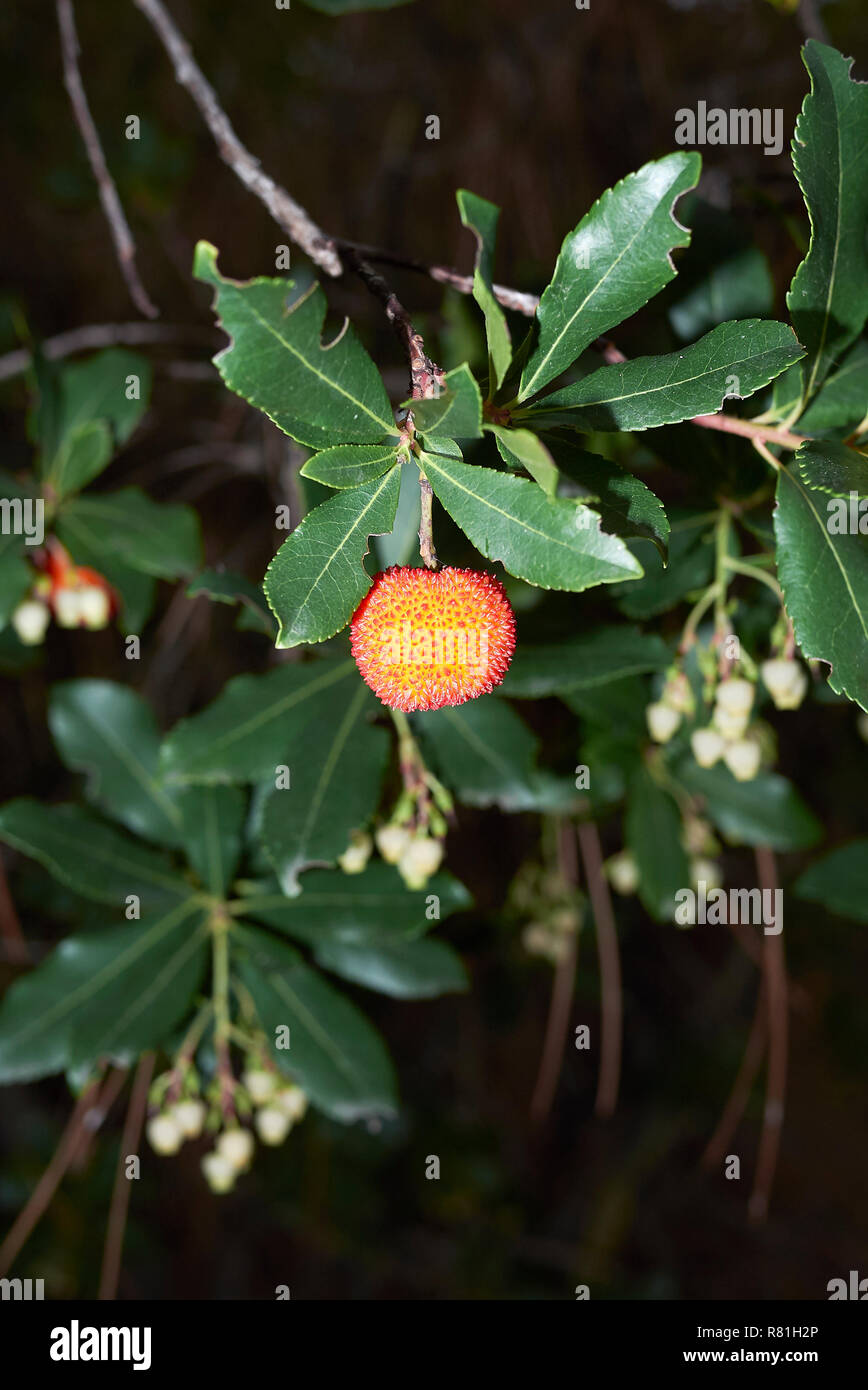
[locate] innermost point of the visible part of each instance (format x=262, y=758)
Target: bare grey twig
x=286, y=212
x=333, y=253
x=522, y=303
x=101, y=335
x=125, y=247
x=426, y=378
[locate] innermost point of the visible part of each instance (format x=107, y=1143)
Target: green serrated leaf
x=317, y=579
x=832, y=467
x=348, y=465
x=455, y=412
x=824, y=578
x=335, y=779
x=583, y=663
x=277, y=360
x=828, y=299
x=626, y=506
x=334, y=1052
x=481, y=218
x=841, y=403
x=550, y=542
x=109, y=733
x=731, y=362
x=109, y=993
x=87, y=855
x=615, y=260
x=249, y=728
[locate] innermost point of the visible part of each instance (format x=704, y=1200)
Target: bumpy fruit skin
x=395, y=639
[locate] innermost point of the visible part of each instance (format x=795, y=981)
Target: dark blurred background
x=541, y=107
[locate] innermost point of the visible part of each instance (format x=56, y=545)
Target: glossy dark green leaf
x=824, y=576
x=456, y=412
x=550, y=542
x=626, y=506
x=159, y=538
x=653, y=833
x=110, y=390
x=109, y=733
x=249, y=728
x=691, y=557
x=89, y=856
x=481, y=217
x=317, y=392
x=524, y=449
x=839, y=881
x=766, y=811
x=82, y=456
x=617, y=258
x=213, y=824
x=334, y=1052
x=841, y=404
x=732, y=361
x=833, y=468
x=348, y=465
x=402, y=969
x=585, y=662
x=828, y=299
x=484, y=752
x=374, y=907
x=317, y=579
x=335, y=775
x=113, y=992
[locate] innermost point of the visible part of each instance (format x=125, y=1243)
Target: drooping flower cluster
x=73, y=595
x=180, y=1113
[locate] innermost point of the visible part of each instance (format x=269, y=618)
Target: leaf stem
x=222, y=1023
x=754, y=572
